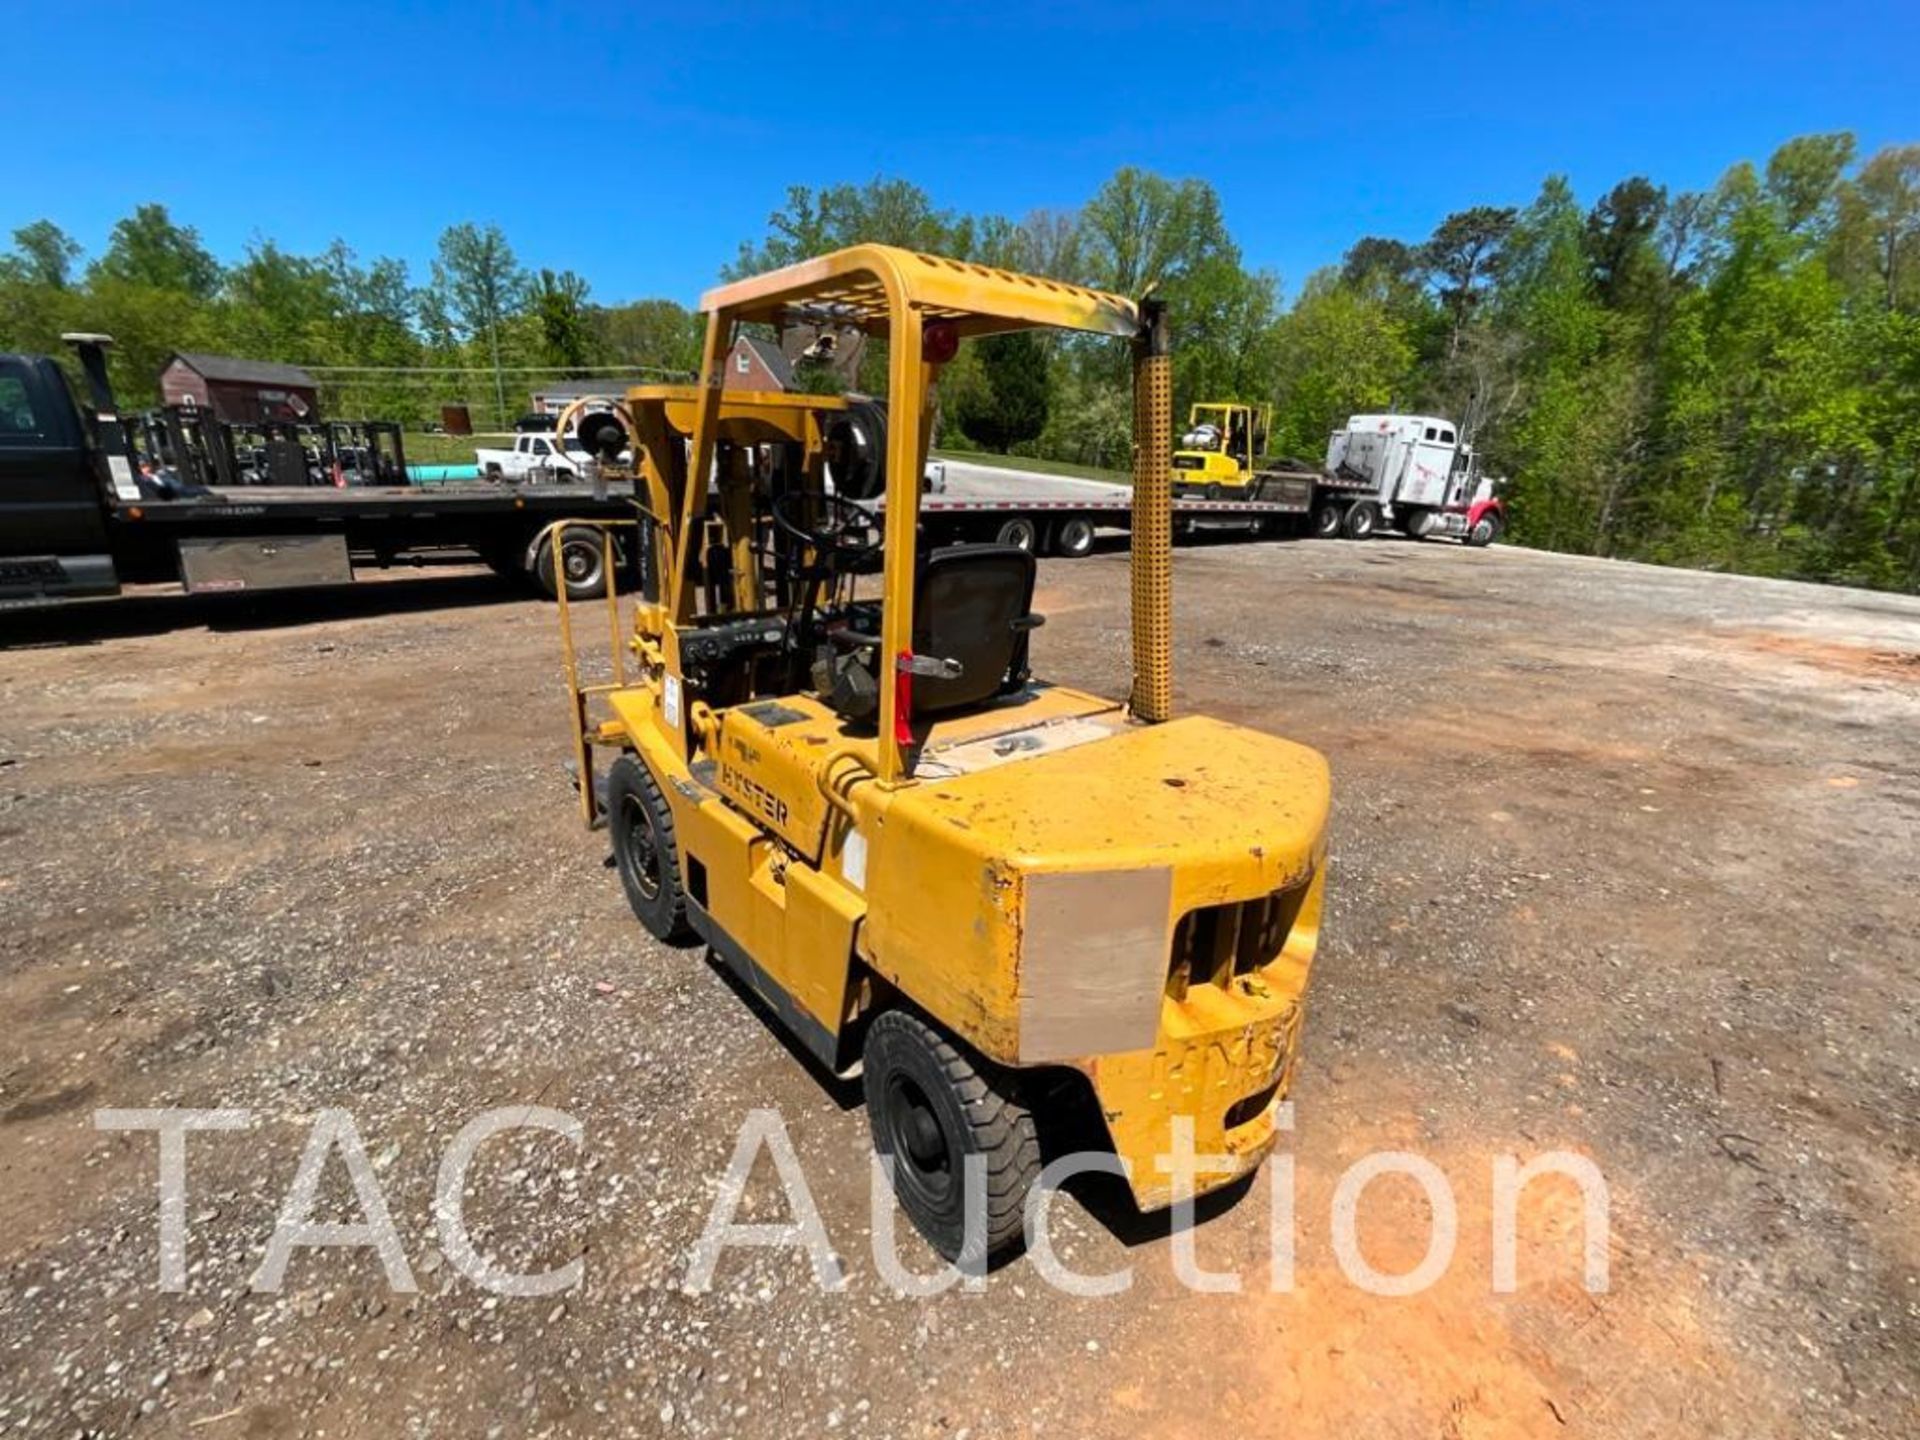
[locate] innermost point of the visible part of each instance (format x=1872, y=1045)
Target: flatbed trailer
x=1060, y=515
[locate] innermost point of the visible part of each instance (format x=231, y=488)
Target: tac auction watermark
x=335, y=1139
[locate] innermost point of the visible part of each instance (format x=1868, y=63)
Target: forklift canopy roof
x=858, y=287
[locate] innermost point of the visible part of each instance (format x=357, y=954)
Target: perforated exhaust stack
x=1152, y=698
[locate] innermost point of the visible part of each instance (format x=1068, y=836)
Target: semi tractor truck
x=80, y=514
x=1411, y=473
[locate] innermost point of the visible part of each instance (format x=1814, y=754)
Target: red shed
x=757, y=364
x=243, y=392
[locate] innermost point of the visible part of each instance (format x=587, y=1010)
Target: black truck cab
x=56, y=485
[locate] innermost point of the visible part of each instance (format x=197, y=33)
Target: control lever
x=931, y=667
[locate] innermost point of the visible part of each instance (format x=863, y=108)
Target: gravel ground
x=1624, y=866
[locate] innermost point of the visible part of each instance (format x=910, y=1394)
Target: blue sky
x=639, y=144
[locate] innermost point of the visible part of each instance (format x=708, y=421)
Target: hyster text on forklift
x=77, y=516
x=833, y=764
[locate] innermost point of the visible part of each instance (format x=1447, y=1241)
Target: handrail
x=578, y=694
x=823, y=778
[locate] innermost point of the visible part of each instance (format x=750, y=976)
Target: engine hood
x=1194, y=793
x=1049, y=868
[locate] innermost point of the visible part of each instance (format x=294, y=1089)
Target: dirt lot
x=1625, y=865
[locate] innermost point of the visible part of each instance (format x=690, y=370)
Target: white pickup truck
x=533, y=457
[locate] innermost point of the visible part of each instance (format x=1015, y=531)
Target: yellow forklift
x=832, y=764
x=1220, y=455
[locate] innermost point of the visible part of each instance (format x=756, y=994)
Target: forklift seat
x=972, y=604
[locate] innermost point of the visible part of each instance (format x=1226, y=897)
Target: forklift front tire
x=645, y=853
x=934, y=1112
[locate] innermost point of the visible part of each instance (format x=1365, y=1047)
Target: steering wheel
x=840, y=530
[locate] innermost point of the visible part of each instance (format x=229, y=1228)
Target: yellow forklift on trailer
x=833, y=765
x=1222, y=456
x=1216, y=456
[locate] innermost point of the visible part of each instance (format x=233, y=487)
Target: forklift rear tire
x=1073, y=537
x=1363, y=518
x=931, y=1107
x=645, y=853
x=1326, y=521
x=1212, y=492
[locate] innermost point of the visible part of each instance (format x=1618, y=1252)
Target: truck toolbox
x=263, y=562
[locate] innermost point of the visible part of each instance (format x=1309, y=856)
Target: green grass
x=1039, y=467
x=446, y=449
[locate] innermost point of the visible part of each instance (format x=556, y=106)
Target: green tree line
x=463, y=329
x=1727, y=378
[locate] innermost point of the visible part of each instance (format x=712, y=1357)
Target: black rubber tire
x=1327, y=520
x=1362, y=520
x=1073, y=537
x=930, y=1106
x=860, y=437
x=1212, y=492
x=645, y=851
x=1485, y=532
x=1020, y=532
x=583, y=559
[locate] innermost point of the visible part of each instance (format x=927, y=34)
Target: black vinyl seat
x=972, y=604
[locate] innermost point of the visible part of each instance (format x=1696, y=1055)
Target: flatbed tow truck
x=78, y=517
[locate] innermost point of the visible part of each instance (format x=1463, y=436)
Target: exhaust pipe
x=1152, y=543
